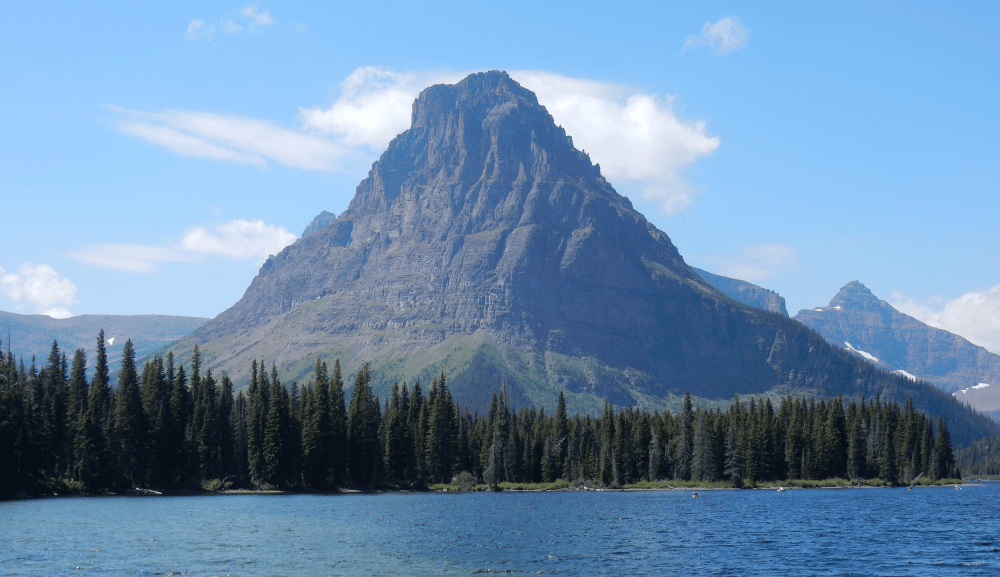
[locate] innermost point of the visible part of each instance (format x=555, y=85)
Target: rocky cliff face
x=858, y=320
x=745, y=292
x=483, y=244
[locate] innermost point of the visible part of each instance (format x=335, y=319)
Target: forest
x=168, y=428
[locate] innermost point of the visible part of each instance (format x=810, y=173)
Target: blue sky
x=153, y=155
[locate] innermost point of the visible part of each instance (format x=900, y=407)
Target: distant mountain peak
x=856, y=296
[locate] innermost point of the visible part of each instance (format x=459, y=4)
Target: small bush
x=464, y=481
x=211, y=485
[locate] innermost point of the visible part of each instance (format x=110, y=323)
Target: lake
x=928, y=531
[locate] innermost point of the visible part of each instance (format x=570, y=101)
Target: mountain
x=485, y=245
x=32, y=335
x=744, y=292
x=322, y=219
x=859, y=321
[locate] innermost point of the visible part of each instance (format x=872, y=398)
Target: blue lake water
x=929, y=531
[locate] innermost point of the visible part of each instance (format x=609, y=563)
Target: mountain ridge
x=899, y=342
x=483, y=244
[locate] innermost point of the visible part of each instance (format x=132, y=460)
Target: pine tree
x=944, y=458
x=733, y=468
x=363, y=420
x=317, y=431
x=129, y=422
x=441, y=433
x=835, y=441
x=338, y=426
x=685, y=442
x=703, y=455
x=93, y=459
x=76, y=406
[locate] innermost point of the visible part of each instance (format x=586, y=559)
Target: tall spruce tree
x=129, y=429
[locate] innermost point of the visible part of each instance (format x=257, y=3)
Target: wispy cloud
x=724, y=36
x=40, y=285
x=636, y=137
x=130, y=257
x=197, y=29
x=248, y=18
x=256, y=17
x=974, y=315
x=236, y=239
x=232, y=138
x=753, y=263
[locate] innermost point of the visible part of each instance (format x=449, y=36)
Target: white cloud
x=753, y=263
x=724, y=36
x=42, y=286
x=236, y=239
x=246, y=18
x=130, y=257
x=230, y=27
x=634, y=136
x=256, y=18
x=374, y=106
x=197, y=29
x=239, y=239
x=232, y=138
x=974, y=315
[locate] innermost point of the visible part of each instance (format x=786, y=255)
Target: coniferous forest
x=171, y=428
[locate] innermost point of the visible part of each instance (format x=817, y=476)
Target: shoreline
x=450, y=490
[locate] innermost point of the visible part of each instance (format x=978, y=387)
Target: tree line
x=171, y=428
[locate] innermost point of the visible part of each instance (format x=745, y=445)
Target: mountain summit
x=485, y=245
x=860, y=322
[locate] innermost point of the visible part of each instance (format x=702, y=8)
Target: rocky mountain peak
x=467, y=144
x=856, y=296
x=484, y=245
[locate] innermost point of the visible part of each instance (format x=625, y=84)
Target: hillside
x=745, y=292
x=32, y=335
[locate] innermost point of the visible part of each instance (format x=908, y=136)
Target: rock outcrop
x=745, y=292
x=485, y=245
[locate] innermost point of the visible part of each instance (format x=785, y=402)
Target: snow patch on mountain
x=979, y=386
x=868, y=356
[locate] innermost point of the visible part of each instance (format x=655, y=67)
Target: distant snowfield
x=979, y=386
x=868, y=356
x=905, y=374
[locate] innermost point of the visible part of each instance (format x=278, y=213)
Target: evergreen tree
x=276, y=432
x=76, y=406
x=338, y=426
x=944, y=459
x=441, y=433
x=685, y=443
x=363, y=420
x=129, y=422
x=317, y=431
